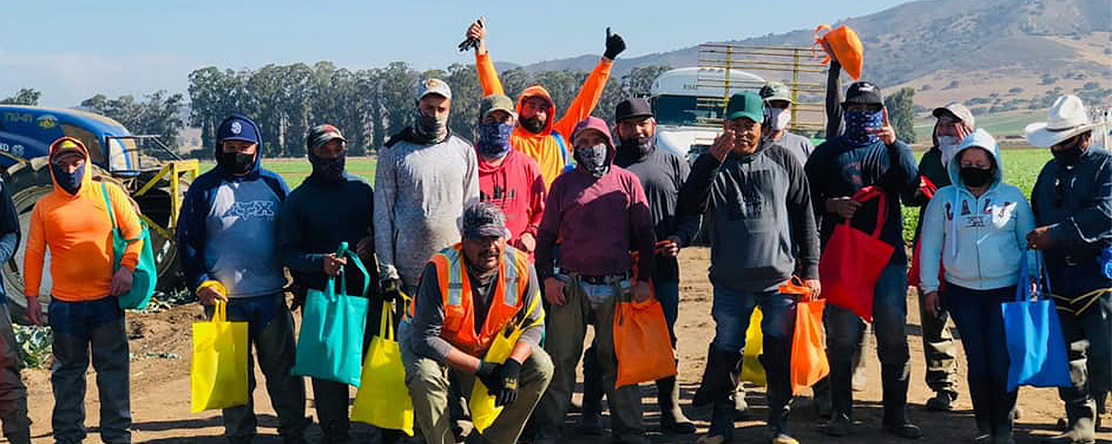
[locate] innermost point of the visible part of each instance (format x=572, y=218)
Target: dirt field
x=160, y=387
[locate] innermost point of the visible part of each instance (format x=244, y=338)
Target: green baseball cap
x=496, y=102
x=776, y=91
x=746, y=104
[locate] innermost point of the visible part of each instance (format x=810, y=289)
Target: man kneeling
x=469, y=294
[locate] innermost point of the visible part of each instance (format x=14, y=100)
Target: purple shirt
x=598, y=222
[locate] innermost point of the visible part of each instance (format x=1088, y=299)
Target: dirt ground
x=160, y=393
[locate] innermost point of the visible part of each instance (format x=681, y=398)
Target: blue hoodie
x=227, y=227
x=981, y=240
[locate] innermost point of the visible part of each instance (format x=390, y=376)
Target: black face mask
x=236, y=164
x=328, y=169
x=975, y=177
x=1069, y=155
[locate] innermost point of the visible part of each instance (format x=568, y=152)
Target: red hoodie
x=515, y=186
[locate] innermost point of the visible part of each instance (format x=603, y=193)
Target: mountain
x=1020, y=50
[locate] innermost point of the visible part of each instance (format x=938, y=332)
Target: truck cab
x=688, y=104
x=26, y=132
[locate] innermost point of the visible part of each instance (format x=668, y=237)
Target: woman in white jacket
x=976, y=229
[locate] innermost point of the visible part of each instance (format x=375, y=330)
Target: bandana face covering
x=71, y=182
x=494, y=139
x=948, y=145
x=593, y=159
x=1069, y=155
x=857, y=122
x=328, y=168
x=430, y=128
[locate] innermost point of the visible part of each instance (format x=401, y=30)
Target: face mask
x=856, y=124
x=71, y=182
x=532, y=124
x=593, y=159
x=236, y=163
x=431, y=128
x=1069, y=155
x=948, y=145
x=494, y=139
x=778, y=118
x=636, y=147
x=330, y=169
x=975, y=177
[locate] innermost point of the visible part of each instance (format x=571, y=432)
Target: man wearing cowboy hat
x=1072, y=200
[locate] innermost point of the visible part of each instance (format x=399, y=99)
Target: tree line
x=368, y=105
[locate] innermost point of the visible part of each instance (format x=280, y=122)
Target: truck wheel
x=27, y=183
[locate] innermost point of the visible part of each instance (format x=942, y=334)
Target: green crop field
x=296, y=170
x=999, y=125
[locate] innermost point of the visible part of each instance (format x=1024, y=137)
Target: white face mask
x=948, y=145
x=778, y=118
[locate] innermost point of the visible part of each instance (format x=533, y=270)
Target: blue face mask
x=857, y=122
x=71, y=182
x=494, y=139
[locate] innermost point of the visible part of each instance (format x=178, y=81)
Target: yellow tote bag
x=481, y=404
x=218, y=377
x=383, y=398
x=751, y=369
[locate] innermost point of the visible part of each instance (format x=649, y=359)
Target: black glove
x=488, y=374
x=507, y=376
x=614, y=45
x=390, y=289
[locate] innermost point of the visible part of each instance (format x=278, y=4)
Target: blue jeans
x=668, y=293
x=843, y=329
x=981, y=323
x=732, y=310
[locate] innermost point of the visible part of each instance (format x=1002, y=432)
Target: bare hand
x=1040, y=239
x=641, y=291
x=333, y=264
x=209, y=296
x=722, y=145
x=816, y=287
x=121, y=281
x=930, y=302
x=527, y=242
x=842, y=206
x=829, y=51
x=477, y=31
x=34, y=311
x=885, y=133
x=963, y=130
x=554, y=292
x=669, y=247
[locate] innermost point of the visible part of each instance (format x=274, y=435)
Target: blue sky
x=71, y=50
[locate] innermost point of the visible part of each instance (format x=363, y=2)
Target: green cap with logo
x=745, y=104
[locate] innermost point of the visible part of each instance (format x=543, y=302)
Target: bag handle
x=869, y=193
x=108, y=204
x=353, y=256
x=796, y=288
x=220, y=312
x=386, y=322
x=1042, y=279
x=819, y=39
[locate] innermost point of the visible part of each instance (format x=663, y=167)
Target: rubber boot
x=721, y=423
x=672, y=419
x=895, y=407
x=20, y=437
x=720, y=378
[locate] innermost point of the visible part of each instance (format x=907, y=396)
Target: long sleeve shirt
x=420, y=191
x=515, y=186
x=599, y=221
x=759, y=217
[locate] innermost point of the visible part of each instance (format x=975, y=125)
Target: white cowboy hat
x=1067, y=118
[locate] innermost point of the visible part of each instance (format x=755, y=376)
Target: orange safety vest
x=455, y=288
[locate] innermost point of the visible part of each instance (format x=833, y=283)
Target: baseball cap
x=745, y=104
x=433, y=86
x=496, y=102
x=482, y=219
x=864, y=92
x=776, y=91
x=238, y=127
x=956, y=110
x=322, y=134
x=632, y=107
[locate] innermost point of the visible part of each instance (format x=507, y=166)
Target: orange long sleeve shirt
x=78, y=232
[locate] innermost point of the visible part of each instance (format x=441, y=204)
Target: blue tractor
x=154, y=175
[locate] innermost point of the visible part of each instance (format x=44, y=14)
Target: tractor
x=154, y=176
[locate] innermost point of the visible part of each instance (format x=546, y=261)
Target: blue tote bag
x=330, y=345
x=1036, y=346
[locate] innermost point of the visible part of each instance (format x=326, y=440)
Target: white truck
x=688, y=106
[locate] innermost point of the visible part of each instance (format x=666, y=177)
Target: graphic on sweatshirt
x=252, y=209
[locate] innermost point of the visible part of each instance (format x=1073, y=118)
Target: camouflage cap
x=322, y=134
x=482, y=219
x=496, y=102
x=776, y=91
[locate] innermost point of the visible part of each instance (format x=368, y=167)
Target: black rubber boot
x=672, y=419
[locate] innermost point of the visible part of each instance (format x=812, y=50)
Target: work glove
x=390, y=289
x=488, y=375
x=614, y=45
x=507, y=378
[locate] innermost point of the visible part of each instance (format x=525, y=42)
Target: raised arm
x=591, y=91
x=488, y=76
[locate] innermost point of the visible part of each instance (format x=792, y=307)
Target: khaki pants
x=428, y=383
x=566, y=327
x=13, y=394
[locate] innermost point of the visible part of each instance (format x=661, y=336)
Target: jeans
x=13, y=394
x=80, y=327
x=981, y=323
x=1089, y=349
x=843, y=329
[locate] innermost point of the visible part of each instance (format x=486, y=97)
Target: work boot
x=672, y=419
x=20, y=437
x=1083, y=431
x=721, y=423
x=838, y=426
x=896, y=423
x=590, y=423
x=941, y=402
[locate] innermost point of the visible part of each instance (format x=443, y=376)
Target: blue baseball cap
x=238, y=127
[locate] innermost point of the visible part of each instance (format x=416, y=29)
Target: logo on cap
x=236, y=127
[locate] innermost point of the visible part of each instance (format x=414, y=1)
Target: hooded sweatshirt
x=548, y=147
x=420, y=192
x=227, y=230
x=516, y=187
x=78, y=231
x=981, y=240
x=598, y=220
